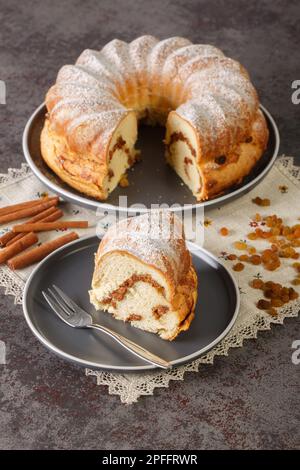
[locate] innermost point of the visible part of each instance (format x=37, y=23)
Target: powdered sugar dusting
x=162, y=50
x=156, y=238
x=221, y=104
x=139, y=51
x=175, y=61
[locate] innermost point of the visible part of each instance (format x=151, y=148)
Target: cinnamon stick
x=23, y=205
x=29, y=211
x=56, y=214
x=20, y=245
x=45, y=226
x=6, y=238
x=38, y=253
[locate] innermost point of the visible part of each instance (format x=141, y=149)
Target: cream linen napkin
x=282, y=186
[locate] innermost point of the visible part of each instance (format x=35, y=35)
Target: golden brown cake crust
x=225, y=171
x=70, y=167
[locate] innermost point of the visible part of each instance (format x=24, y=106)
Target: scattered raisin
x=224, y=231
x=238, y=267
x=261, y=202
x=269, y=293
x=270, y=260
x=275, y=231
x=276, y=288
x=257, y=200
x=287, y=252
x=240, y=245
x=255, y=259
x=269, y=284
x=293, y=294
x=263, y=304
x=276, y=302
x=257, y=283
x=252, y=236
x=244, y=258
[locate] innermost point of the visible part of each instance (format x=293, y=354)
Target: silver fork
x=75, y=316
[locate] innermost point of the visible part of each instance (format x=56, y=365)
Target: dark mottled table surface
x=249, y=399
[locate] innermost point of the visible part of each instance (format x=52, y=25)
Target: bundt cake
x=215, y=131
x=144, y=274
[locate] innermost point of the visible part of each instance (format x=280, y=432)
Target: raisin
x=224, y=231
x=252, y=236
x=269, y=293
x=269, y=221
x=269, y=284
x=270, y=260
x=266, y=234
x=261, y=202
x=257, y=200
x=255, y=259
x=272, y=266
x=275, y=231
x=276, y=302
x=284, y=291
x=240, y=245
x=286, y=230
x=238, y=267
x=257, y=283
x=287, y=252
x=263, y=304
x=244, y=258
x=293, y=294
x=297, y=233
x=276, y=288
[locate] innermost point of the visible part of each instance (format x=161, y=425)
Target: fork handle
x=133, y=347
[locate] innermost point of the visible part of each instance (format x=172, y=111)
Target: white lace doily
x=284, y=179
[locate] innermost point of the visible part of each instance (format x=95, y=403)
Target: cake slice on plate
x=144, y=274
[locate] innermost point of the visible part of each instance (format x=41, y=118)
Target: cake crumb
x=124, y=183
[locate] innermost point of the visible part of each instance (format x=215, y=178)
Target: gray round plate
x=71, y=267
x=152, y=181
